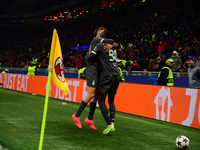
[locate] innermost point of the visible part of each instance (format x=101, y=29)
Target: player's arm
x=98, y=40
x=93, y=54
x=109, y=41
x=108, y=47
x=115, y=45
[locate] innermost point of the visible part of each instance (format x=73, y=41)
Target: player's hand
x=108, y=47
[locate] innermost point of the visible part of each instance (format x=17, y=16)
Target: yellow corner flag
x=56, y=67
x=56, y=64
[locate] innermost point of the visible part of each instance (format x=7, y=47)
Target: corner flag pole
x=45, y=111
x=55, y=60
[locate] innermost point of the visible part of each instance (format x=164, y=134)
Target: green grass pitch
x=21, y=118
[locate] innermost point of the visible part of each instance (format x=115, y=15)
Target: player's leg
x=105, y=84
x=103, y=108
x=86, y=99
x=104, y=111
x=90, y=94
x=92, y=81
x=111, y=103
x=89, y=120
x=111, y=97
x=93, y=103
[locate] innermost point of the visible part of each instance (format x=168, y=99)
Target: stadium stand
x=144, y=31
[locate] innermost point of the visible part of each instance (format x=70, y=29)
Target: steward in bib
x=32, y=69
x=165, y=76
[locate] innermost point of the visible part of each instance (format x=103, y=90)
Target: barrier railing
x=153, y=73
x=66, y=69
x=127, y=73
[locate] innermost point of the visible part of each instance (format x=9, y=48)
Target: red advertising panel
x=170, y=104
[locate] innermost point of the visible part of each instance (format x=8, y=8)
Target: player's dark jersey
x=92, y=71
x=95, y=41
x=108, y=60
x=94, y=63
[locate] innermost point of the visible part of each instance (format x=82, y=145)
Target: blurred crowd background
x=148, y=34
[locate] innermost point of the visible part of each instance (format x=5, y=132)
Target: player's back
x=108, y=61
x=94, y=63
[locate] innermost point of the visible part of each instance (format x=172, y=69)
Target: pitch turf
x=21, y=118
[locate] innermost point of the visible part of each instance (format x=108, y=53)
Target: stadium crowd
x=147, y=35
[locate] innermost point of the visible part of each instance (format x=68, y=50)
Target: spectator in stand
x=158, y=60
x=130, y=29
x=177, y=44
x=162, y=62
x=161, y=49
x=179, y=50
x=184, y=69
x=26, y=66
x=122, y=79
x=190, y=51
x=152, y=65
x=155, y=66
x=177, y=61
x=81, y=71
x=44, y=64
x=145, y=63
x=136, y=66
x=128, y=65
x=198, y=59
x=119, y=63
x=167, y=46
x=193, y=72
x=197, y=51
x=119, y=53
x=191, y=36
x=130, y=44
x=78, y=61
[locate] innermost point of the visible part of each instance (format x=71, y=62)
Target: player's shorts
x=108, y=84
x=92, y=75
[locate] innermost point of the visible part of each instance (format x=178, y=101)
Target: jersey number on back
x=113, y=54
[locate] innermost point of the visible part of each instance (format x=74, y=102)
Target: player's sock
x=91, y=111
x=109, y=129
x=81, y=108
x=105, y=113
x=113, y=127
x=112, y=112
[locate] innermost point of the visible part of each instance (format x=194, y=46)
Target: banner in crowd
x=170, y=104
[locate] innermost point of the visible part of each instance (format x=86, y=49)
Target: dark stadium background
x=26, y=30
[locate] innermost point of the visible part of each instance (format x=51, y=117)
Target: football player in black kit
x=92, y=76
x=109, y=80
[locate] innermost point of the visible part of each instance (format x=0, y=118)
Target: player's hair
x=99, y=28
x=107, y=34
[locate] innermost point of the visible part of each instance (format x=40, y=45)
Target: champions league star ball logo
x=59, y=69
